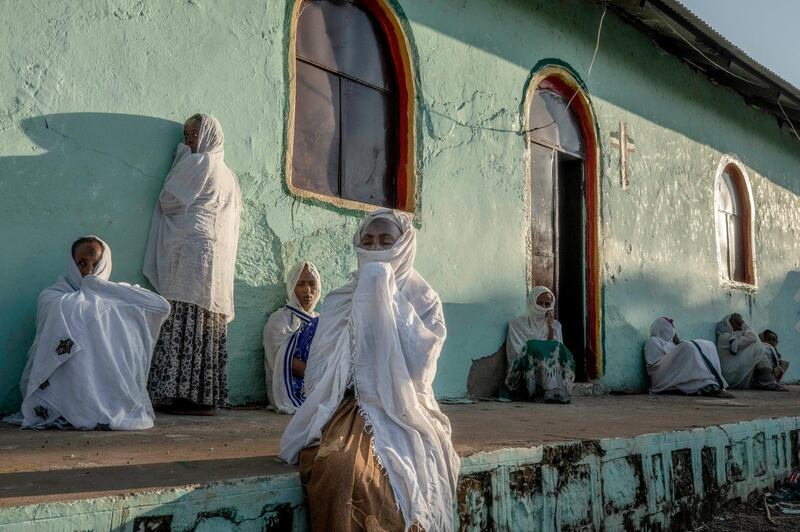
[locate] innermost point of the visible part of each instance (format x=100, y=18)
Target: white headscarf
x=90, y=359
x=281, y=334
x=662, y=331
x=383, y=333
x=102, y=269
x=293, y=278
x=532, y=326
x=194, y=233
x=401, y=256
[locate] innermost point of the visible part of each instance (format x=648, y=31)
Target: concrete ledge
x=612, y=463
x=658, y=481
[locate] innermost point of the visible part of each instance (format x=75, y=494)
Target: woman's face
x=545, y=300
x=306, y=289
x=379, y=235
x=736, y=322
x=86, y=257
x=190, y=131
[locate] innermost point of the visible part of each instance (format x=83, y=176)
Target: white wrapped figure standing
x=190, y=260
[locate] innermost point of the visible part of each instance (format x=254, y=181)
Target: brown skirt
x=346, y=488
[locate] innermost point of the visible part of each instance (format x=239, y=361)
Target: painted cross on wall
x=624, y=143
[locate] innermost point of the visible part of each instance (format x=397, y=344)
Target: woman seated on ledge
x=87, y=368
x=540, y=367
x=373, y=446
x=689, y=367
x=745, y=362
x=287, y=339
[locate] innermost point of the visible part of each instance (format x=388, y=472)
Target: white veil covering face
x=382, y=334
x=89, y=362
x=280, y=339
x=687, y=367
x=662, y=331
x=532, y=326
x=194, y=233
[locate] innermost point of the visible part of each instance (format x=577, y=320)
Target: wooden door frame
x=566, y=84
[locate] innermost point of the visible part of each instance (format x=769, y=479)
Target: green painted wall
x=91, y=102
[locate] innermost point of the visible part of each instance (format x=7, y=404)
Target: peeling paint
x=665, y=481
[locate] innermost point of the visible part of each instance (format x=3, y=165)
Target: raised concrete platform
x=613, y=463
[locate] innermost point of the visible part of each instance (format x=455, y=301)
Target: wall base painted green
x=660, y=481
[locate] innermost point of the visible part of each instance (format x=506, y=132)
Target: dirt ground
x=751, y=518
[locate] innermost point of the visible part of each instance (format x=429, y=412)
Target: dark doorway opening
x=558, y=217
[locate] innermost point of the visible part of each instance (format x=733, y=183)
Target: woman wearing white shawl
x=287, y=338
x=87, y=367
x=369, y=406
x=540, y=367
x=537, y=324
x=745, y=362
x=190, y=260
x=691, y=367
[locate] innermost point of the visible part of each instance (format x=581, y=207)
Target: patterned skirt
x=543, y=371
x=190, y=360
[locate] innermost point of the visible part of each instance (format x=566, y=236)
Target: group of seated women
x=739, y=360
x=541, y=368
x=373, y=447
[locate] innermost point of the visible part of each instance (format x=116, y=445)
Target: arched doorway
x=563, y=211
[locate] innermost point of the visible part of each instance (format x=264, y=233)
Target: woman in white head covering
x=690, y=367
x=745, y=363
x=87, y=367
x=538, y=324
x=287, y=339
x=373, y=446
x=540, y=367
x=190, y=260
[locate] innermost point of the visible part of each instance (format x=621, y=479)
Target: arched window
x=733, y=213
x=349, y=135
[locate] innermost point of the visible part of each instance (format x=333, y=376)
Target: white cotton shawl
x=532, y=326
x=681, y=367
x=739, y=352
x=383, y=333
x=278, y=332
x=101, y=378
x=194, y=233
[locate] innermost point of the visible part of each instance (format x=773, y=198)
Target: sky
x=765, y=29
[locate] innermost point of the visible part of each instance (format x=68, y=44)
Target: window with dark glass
x=346, y=105
x=731, y=217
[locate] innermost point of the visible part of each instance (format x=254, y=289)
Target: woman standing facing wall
x=190, y=260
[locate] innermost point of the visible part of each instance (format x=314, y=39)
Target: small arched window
x=733, y=221
x=347, y=104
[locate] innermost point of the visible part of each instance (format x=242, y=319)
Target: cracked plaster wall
x=91, y=102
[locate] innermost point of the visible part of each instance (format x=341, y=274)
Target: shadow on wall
x=85, y=173
x=648, y=297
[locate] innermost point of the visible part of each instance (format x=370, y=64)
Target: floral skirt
x=544, y=371
x=190, y=360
